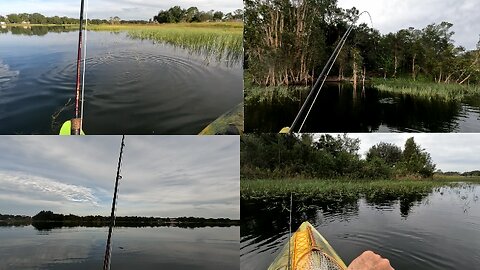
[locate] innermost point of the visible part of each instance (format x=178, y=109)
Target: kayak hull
x=307, y=250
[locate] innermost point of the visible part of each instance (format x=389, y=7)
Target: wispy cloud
x=48, y=189
x=162, y=175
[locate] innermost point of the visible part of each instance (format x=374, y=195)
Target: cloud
x=393, y=15
x=162, y=175
x=49, y=190
x=450, y=151
x=125, y=9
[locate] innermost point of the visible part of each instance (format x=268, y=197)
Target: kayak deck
x=307, y=250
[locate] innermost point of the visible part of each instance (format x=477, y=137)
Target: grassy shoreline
x=426, y=89
x=343, y=189
x=218, y=39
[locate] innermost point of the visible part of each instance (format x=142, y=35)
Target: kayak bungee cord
x=74, y=126
x=108, y=249
x=324, y=74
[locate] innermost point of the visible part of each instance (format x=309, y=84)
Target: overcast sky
x=102, y=9
x=393, y=15
x=162, y=175
x=450, y=151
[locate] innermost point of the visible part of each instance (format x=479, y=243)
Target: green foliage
x=415, y=161
x=389, y=153
x=426, y=89
x=176, y=15
x=278, y=156
x=288, y=43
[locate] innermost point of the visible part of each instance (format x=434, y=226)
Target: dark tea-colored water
x=341, y=109
x=133, y=248
x=131, y=86
x=440, y=230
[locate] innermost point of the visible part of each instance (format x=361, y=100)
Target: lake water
x=131, y=86
x=438, y=231
x=133, y=248
x=340, y=109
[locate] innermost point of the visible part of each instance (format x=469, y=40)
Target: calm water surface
x=133, y=248
x=340, y=109
x=131, y=86
x=437, y=231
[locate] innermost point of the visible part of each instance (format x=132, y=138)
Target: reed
x=222, y=40
x=426, y=89
x=342, y=189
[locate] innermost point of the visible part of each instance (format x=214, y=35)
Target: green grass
x=222, y=40
x=268, y=94
x=344, y=189
x=426, y=89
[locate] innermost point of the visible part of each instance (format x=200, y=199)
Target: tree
x=218, y=16
x=388, y=152
x=176, y=14
x=190, y=13
x=416, y=161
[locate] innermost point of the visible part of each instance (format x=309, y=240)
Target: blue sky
x=393, y=15
x=450, y=151
x=125, y=9
x=162, y=175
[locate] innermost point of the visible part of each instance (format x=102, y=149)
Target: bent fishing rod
x=108, y=249
x=321, y=80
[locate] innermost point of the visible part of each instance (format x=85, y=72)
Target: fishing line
x=324, y=75
x=323, y=82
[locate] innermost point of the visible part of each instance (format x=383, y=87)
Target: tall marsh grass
x=342, y=189
x=221, y=40
x=426, y=89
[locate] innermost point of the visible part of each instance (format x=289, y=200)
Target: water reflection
x=414, y=230
x=131, y=87
x=339, y=108
x=141, y=248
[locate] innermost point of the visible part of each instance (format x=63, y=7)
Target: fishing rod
x=108, y=249
x=74, y=126
x=323, y=75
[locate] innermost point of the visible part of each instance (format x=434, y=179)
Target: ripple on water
x=7, y=75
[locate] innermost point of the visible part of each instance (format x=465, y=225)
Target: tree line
x=288, y=42
x=37, y=18
x=177, y=14
x=282, y=156
x=44, y=217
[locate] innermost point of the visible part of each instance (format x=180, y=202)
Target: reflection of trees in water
x=269, y=217
x=37, y=30
x=339, y=108
x=48, y=226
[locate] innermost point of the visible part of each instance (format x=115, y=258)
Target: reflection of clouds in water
x=7, y=76
x=44, y=188
x=28, y=251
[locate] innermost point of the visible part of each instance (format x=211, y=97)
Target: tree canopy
x=280, y=156
x=177, y=14
x=288, y=42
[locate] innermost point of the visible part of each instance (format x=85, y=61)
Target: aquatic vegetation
x=218, y=40
x=268, y=94
x=426, y=89
x=343, y=189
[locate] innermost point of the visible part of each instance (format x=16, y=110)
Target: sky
x=450, y=151
x=393, y=15
x=163, y=176
x=103, y=9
